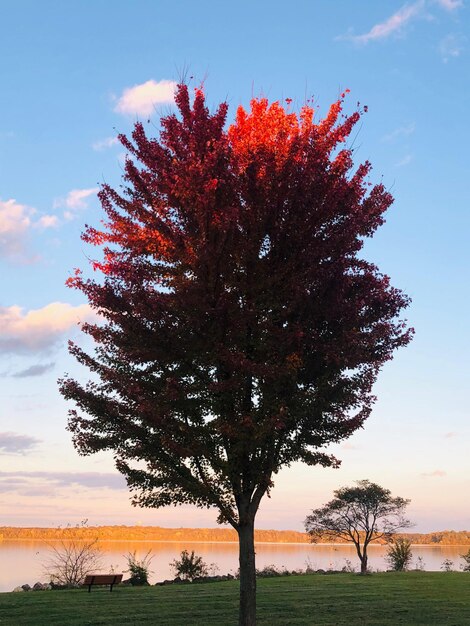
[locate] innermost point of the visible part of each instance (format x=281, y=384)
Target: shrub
x=189, y=566
x=139, y=570
x=466, y=558
x=348, y=567
x=270, y=571
x=71, y=560
x=399, y=554
x=420, y=564
x=447, y=565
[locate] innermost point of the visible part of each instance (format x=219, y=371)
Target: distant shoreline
x=204, y=535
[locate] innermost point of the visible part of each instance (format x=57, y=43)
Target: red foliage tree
x=241, y=332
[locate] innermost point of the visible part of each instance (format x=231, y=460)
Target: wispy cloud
x=23, y=482
x=434, y=474
x=14, y=443
x=39, y=330
x=396, y=23
x=74, y=201
x=401, y=131
x=451, y=47
x=141, y=99
x=406, y=160
x=16, y=222
x=393, y=25
x=449, y=5
x=103, y=144
x=34, y=370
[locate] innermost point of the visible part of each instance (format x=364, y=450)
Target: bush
x=189, y=566
x=466, y=558
x=447, y=565
x=71, y=559
x=399, y=554
x=270, y=571
x=139, y=570
x=420, y=564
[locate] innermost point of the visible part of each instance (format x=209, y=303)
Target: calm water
x=21, y=561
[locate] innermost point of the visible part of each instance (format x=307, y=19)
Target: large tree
x=362, y=514
x=240, y=330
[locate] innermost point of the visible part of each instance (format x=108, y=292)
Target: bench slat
x=102, y=579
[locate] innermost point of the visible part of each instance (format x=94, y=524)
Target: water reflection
x=21, y=561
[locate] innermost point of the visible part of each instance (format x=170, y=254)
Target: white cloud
x=75, y=200
x=402, y=131
x=103, y=144
x=450, y=5
x=404, y=161
x=393, y=25
x=48, y=221
x=39, y=329
x=141, y=99
x=451, y=47
x=16, y=220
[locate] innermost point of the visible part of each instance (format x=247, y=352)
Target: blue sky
x=73, y=74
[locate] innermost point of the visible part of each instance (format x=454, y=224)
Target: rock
x=39, y=587
x=26, y=587
x=16, y=589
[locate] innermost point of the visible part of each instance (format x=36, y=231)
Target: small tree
x=447, y=565
x=399, y=554
x=189, y=566
x=139, y=569
x=71, y=560
x=361, y=515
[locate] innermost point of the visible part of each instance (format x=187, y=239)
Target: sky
x=74, y=74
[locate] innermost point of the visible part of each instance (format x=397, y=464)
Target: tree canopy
x=240, y=331
x=361, y=514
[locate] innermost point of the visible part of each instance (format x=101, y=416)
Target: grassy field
x=388, y=599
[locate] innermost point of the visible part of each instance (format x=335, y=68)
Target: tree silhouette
x=361, y=515
x=240, y=331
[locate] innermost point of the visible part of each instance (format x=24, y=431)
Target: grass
x=386, y=599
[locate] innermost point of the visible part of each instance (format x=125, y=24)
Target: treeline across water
x=209, y=535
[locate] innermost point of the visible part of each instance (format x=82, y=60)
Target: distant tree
x=361, y=514
x=240, y=329
x=399, y=554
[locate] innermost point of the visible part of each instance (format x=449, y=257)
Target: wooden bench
x=102, y=579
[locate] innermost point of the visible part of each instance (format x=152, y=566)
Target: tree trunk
x=364, y=564
x=246, y=537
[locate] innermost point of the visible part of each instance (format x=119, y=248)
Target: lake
x=21, y=561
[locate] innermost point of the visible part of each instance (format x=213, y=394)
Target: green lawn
x=427, y=598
